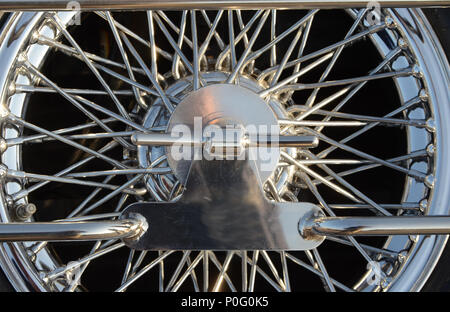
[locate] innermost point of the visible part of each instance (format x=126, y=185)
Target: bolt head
x=30, y=209
x=25, y=211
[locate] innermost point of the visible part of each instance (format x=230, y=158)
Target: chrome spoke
x=325, y=50
x=120, y=171
x=65, y=140
x=317, y=272
x=189, y=271
x=325, y=84
x=33, y=89
x=336, y=55
x=174, y=44
x=355, y=191
x=138, y=38
x=196, y=64
x=243, y=58
x=324, y=270
x=22, y=193
x=124, y=55
x=413, y=173
x=144, y=270
x=94, y=70
x=212, y=32
x=147, y=71
x=74, y=102
x=226, y=263
x=405, y=106
x=176, y=60
x=61, y=270
x=38, y=138
x=256, y=269
x=219, y=266
x=273, y=269
x=295, y=26
x=388, y=58
x=112, y=194
x=411, y=156
x=93, y=57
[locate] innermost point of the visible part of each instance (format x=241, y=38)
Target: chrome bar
x=89, y=5
x=162, y=139
x=305, y=141
x=377, y=226
x=69, y=231
x=166, y=139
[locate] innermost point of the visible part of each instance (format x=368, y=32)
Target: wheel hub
x=216, y=104
x=224, y=106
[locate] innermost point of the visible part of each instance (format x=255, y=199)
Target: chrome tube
x=34, y=5
x=68, y=231
x=161, y=139
x=166, y=139
x=377, y=226
x=305, y=141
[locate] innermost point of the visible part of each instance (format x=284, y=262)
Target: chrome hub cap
x=217, y=104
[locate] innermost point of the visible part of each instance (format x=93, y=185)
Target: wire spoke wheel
x=373, y=90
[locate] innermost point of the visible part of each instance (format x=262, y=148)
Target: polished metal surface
x=223, y=208
x=68, y=231
x=166, y=139
x=378, y=226
x=219, y=106
x=34, y=5
x=163, y=139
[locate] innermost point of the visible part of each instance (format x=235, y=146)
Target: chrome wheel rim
x=413, y=262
